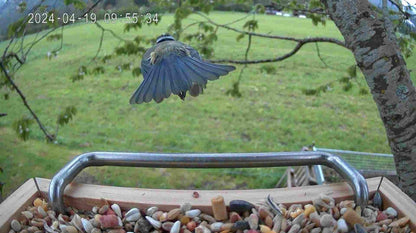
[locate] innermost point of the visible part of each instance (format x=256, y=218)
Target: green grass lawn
x=272, y=115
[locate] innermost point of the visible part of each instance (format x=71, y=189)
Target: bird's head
x=164, y=37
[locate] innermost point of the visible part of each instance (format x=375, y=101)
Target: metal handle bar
x=226, y=160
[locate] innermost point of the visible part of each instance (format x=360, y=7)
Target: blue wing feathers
x=175, y=74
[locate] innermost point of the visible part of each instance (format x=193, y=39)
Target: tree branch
x=318, y=39
x=298, y=46
x=6, y=74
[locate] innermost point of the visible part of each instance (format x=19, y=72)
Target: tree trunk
x=379, y=58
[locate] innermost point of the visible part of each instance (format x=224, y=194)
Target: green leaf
x=65, y=116
x=347, y=86
x=54, y=37
x=251, y=25
x=234, y=91
x=136, y=71
x=241, y=36
x=352, y=71
x=269, y=69
x=310, y=91
x=259, y=8
x=363, y=91
x=98, y=70
x=22, y=7
x=79, y=4
x=22, y=127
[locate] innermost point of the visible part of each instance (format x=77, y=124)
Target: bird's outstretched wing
x=174, y=74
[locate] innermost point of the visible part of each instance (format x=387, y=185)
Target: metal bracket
x=225, y=160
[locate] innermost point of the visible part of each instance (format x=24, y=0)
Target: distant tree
x=369, y=33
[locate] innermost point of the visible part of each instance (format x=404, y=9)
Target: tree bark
x=379, y=58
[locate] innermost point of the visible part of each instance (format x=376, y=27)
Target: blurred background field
x=272, y=115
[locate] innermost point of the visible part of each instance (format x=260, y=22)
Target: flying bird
x=172, y=67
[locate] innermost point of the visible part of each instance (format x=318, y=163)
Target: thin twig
x=37, y=187
x=111, y=31
x=319, y=55
x=315, y=39
x=6, y=74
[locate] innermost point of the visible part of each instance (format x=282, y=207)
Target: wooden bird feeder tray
x=85, y=196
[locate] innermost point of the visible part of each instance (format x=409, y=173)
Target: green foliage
x=79, y=4
x=251, y=25
x=130, y=48
x=259, y=8
x=67, y=115
x=82, y=71
x=22, y=127
x=135, y=26
x=22, y=7
x=240, y=36
x=136, y=71
x=352, y=71
x=235, y=90
x=98, y=70
x=54, y=37
x=406, y=43
x=17, y=28
x=317, y=91
x=269, y=69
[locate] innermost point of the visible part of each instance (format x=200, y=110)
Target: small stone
x=103, y=209
x=240, y=225
x=309, y=209
x=86, y=225
x=378, y=201
x=163, y=217
x=151, y=210
x=191, y=225
x=95, y=209
x=108, y=221
x=358, y=228
x=327, y=220
x=265, y=229
x=116, y=209
x=176, y=227
x=315, y=218
x=27, y=214
x=252, y=231
x=390, y=212
x=327, y=230
x=96, y=230
x=324, y=202
x=185, y=207
x=116, y=231
x=253, y=221
x=218, y=208
x=129, y=227
x=167, y=226
x=32, y=229
x=234, y=217
x=15, y=225
x=335, y=212
x=226, y=227
x=132, y=215
x=42, y=212
x=296, y=212
x=400, y=222
x=142, y=226
x=268, y=221
x=216, y=226
x=193, y=213
x=156, y=224
x=173, y=214
x=184, y=220
x=264, y=212
x=294, y=229
x=278, y=222
x=70, y=229
x=316, y=230
x=240, y=206
x=207, y=218
x=351, y=217
x=381, y=216
x=347, y=204
x=342, y=211
x=342, y=225
x=299, y=219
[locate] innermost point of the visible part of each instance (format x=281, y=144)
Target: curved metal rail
x=224, y=160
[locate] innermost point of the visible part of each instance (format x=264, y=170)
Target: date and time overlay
x=68, y=18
